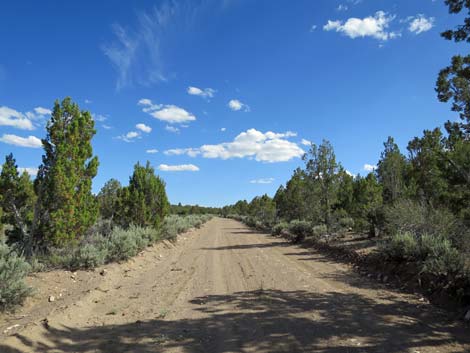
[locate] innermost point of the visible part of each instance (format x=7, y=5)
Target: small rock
x=51, y=299
x=467, y=316
x=103, y=272
x=10, y=328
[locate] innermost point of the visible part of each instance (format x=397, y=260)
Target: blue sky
x=222, y=96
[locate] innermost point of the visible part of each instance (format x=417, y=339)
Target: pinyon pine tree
x=66, y=207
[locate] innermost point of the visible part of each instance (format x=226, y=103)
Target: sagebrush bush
x=13, y=270
x=346, y=222
x=279, y=228
x=319, y=230
x=401, y=246
x=122, y=244
x=87, y=257
x=300, y=230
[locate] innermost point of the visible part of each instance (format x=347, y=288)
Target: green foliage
x=402, y=246
x=319, y=230
x=322, y=172
x=174, y=225
x=263, y=210
x=13, y=270
x=462, y=32
x=66, y=206
x=144, y=201
x=17, y=200
x=278, y=228
x=300, y=229
x=87, y=256
x=108, y=198
x=391, y=171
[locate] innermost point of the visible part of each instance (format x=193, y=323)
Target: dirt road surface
x=226, y=288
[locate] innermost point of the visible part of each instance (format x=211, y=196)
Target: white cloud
x=30, y=141
x=236, y=105
x=313, y=28
x=144, y=128
x=172, y=129
x=204, y=93
x=342, y=7
x=305, y=142
x=178, y=168
x=267, y=147
x=223, y=129
x=373, y=26
x=30, y=170
x=262, y=181
x=42, y=111
x=99, y=117
x=369, y=167
x=168, y=113
x=107, y=127
x=349, y=173
x=421, y=24
x=13, y=118
x=152, y=151
x=130, y=136
x=87, y=101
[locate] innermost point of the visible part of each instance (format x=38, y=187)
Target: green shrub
x=279, y=228
x=13, y=270
x=300, y=230
x=319, y=230
x=87, y=256
x=401, y=246
x=122, y=245
x=346, y=222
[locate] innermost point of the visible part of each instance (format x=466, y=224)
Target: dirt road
x=225, y=288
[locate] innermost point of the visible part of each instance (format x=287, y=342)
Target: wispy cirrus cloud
x=269, y=147
x=262, y=181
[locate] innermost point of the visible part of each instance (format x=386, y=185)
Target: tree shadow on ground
x=269, y=321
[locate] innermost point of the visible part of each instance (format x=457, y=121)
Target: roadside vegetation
x=415, y=205
x=56, y=221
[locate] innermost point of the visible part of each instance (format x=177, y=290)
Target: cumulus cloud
x=143, y=127
x=206, y=93
x=24, y=121
x=152, y=151
x=236, y=105
x=267, y=147
x=131, y=136
x=369, y=167
x=13, y=118
x=223, y=129
x=305, y=142
x=420, y=24
x=30, y=141
x=30, y=170
x=168, y=113
x=373, y=26
x=262, y=181
x=178, y=168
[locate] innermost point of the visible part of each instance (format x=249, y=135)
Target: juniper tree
x=17, y=201
x=66, y=206
x=108, y=198
x=144, y=202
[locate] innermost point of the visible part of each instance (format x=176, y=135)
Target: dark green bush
x=279, y=228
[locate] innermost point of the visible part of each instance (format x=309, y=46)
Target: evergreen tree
x=322, y=171
x=108, y=198
x=17, y=200
x=144, y=202
x=391, y=171
x=66, y=206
